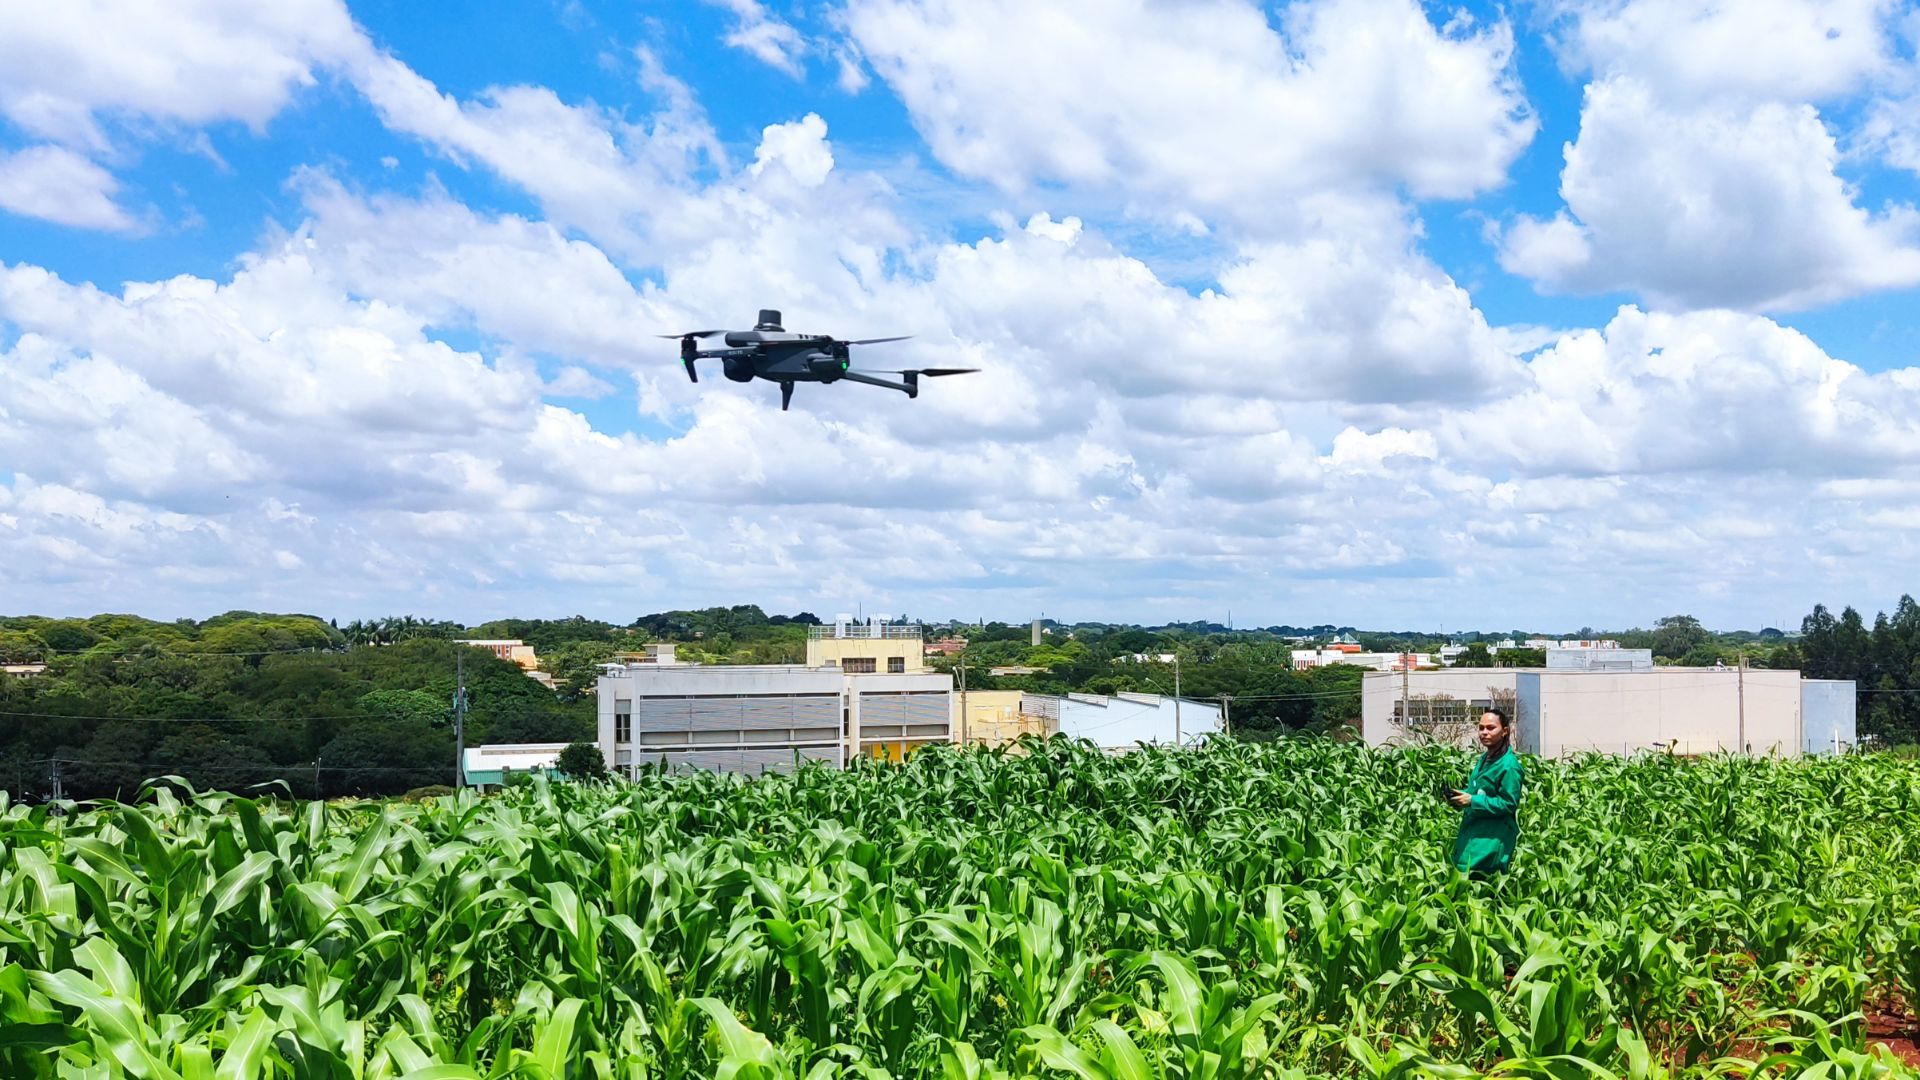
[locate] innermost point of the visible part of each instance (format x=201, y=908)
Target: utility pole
x=1226, y=719
x=1176, y=696
x=1406, y=710
x=460, y=718
x=59, y=792
x=1741, y=691
x=316, y=776
x=964, y=718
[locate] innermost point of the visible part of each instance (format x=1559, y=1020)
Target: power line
x=143, y=652
x=301, y=767
x=198, y=719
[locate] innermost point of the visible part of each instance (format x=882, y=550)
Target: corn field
x=1281, y=909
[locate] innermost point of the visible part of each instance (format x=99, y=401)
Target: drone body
x=768, y=352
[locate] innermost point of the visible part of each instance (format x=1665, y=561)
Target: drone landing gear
x=786, y=393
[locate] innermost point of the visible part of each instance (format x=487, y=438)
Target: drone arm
x=906, y=388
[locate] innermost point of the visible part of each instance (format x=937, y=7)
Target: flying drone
x=768, y=352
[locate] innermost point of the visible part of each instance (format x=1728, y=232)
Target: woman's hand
x=1460, y=799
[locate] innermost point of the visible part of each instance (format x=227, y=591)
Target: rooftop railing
x=861, y=630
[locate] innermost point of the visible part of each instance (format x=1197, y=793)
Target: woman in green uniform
x=1489, y=823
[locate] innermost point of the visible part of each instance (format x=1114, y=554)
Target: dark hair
x=1505, y=723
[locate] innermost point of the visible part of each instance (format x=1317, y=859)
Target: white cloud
x=60, y=186
x=1714, y=205
x=800, y=147
x=1205, y=106
x=1769, y=50
x=764, y=36
x=66, y=66
x=1331, y=427
x=1716, y=394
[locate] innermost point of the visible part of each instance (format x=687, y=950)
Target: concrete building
x=489, y=766
x=1558, y=712
x=869, y=648
x=512, y=649
x=768, y=717
x=1124, y=721
x=22, y=671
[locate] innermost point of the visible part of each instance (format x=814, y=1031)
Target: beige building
x=870, y=648
x=512, y=649
x=1677, y=710
x=993, y=717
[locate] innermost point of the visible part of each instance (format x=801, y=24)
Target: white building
x=769, y=717
x=1378, y=661
x=489, y=766
x=1558, y=712
x=1123, y=721
x=1599, y=659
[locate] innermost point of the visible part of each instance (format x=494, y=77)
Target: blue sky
x=1353, y=311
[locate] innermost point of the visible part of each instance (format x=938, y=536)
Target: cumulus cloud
x=1735, y=206
x=1208, y=106
x=58, y=185
x=67, y=67
x=1317, y=419
x=1772, y=50
x=1704, y=174
x=1711, y=393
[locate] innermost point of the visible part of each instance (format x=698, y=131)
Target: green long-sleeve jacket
x=1490, y=824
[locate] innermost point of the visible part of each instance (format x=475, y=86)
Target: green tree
x=582, y=761
x=1476, y=655
x=407, y=707
x=1676, y=635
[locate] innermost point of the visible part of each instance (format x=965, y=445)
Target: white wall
x=1690, y=710
x=1119, y=722
x=1828, y=710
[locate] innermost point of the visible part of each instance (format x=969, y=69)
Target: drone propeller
x=877, y=340
x=932, y=372
x=689, y=352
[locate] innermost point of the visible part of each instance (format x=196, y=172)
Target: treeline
x=1883, y=660
x=237, y=701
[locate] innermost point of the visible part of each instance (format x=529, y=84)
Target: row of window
x=1434, y=711
x=865, y=665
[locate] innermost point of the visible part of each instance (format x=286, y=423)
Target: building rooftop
x=870, y=631
x=516, y=756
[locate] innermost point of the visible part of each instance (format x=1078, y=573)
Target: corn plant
x=1274, y=910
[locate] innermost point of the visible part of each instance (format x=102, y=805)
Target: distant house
x=945, y=647
x=22, y=671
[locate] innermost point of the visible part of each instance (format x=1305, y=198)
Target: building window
x=896, y=665
x=623, y=723
x=857, y=665
x=1438, y=710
